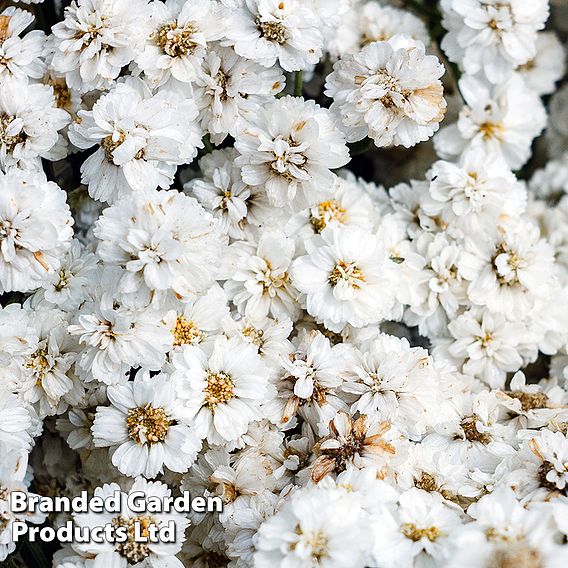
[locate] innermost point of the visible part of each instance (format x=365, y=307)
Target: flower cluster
x=366, y=360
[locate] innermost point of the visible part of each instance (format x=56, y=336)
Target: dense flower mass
x=307, y=258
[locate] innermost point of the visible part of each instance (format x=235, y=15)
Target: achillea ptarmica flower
x=143, y=429
x=35, y=230
x=390, y=91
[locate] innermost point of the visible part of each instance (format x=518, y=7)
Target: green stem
x=207, y=144
x=33, y=555
x=299, y=83
x=358, y=148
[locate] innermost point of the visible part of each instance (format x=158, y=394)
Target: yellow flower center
x=273, y=31
x=326, y=212
x=147, y=425
x=186, y=332
x=175, y=41
x=349, y=272
x=411, y=531
x=39, y=364
x=5, y=139
x=491, y=130
x=130, y=549
x=219, y=389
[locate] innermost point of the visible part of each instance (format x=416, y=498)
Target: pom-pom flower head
x=389, y=91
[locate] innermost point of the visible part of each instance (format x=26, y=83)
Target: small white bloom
x=29, y=125
x=290, y=148
x=142, y=139
x=181, y=32
x=96, y=39
x=494, y=120
x=231, y=90
x=166, y=242
x=113, y=337
x=343, y=278
x=367, y=22
x=390, y=91
x=542, y=72
x=270, y=31
x=260, y=284
x=68, y=287
x=492, y=36
x=130, y=552
x=418, y=530
x=143, y=429
x=20, y=56
x=35, y=230
x=316, y=527
x=221, y=392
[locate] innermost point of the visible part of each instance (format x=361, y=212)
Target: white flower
x=142, y=139
x=390, y=379
x=29, y=125
x=548, y=65
x=198, y=322
x=268, y=336
x=290, y=148
x=557, y=130
x=167, y=243
x=270, y=31
x=357, y=443
x=551, y=448
x=12, y=480
x=142, y=428
x=494, y=120
x=469, y=430
x=260, y=284
x=68, y=287
x=46, y=378
x=552, y=180
x=343, y=278
x=509, y=268
x=18, y=338
x=16, y=424
x=230, y=91
x=96, y=39
x=221, y=392
x=504, y=531
x=75, y=425
x=322, y=527
x=442, y=288
x=181, y=34
x=346, y=203
x=533, y=405
x=492, y=36
x=248, y=513
x=35, y=230
x=131, y=551
x=309, y=383
x=367, y=22
x=418, y=530
x=20, y=56
x=218, y=473
x=470, y=194
x=115, y=338
x=223, y=192
x=390, y=91
x=488, y=345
